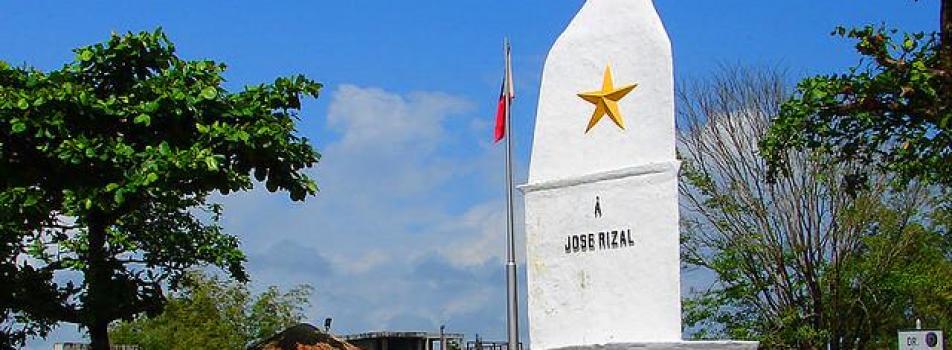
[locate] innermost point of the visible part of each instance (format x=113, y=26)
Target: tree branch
x=945, y=30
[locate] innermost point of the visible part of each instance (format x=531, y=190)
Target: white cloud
x=469, y=302
x=366, y=262
x=371, y=118
x=409, y=218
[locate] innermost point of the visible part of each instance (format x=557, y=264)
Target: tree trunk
x=97, y=278
x=945, y=30
x=99, y=335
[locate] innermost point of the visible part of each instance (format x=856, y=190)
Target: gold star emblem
x=606, y=101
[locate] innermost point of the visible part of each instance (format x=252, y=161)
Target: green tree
x=799, y=262
x=893, y=110
x=106, y=166
x=212, y=313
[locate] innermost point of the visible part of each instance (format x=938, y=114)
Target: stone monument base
x=683, y=345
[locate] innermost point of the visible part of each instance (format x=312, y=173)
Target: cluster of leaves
x=901, y=273
x=212, y=313
x=106, y=166
x=23, y=317
x=893, y=110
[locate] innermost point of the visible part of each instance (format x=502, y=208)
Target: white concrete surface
x=684, y=345
x=607, y=295
x=621, y=294
x=629, y=36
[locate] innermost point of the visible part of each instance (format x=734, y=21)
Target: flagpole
x=512, y=300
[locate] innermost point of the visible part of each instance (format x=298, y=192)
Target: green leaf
x=211, y=163
x=150, y=107
x=209, y=93
x=31, y=200
x=23, y=104
x=311, y=187
x=18, y=127
x=36, y=249
x=297, y=195
x=909, y=44
x=143, y=119
x=85, y=55
x=164, y=149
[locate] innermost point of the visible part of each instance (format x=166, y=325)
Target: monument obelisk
x=602, y=197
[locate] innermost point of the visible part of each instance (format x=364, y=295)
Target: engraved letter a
x=598, y=207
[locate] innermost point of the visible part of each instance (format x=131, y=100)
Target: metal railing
x=81, y=346
x=489, y=345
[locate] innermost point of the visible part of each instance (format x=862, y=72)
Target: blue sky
x=408, y=230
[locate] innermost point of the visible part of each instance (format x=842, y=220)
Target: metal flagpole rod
x=512, y=300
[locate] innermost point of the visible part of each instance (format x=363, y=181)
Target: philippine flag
x=506, y=95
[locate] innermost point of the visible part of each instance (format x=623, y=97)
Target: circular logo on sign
x=932, y=339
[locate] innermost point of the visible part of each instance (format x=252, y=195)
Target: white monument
x=602, y=199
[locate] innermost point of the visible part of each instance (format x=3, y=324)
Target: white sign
x=921, y=340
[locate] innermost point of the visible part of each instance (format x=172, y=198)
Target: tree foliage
x=800, y=262
x=212, y=313
x=893, y=112
x=106, y=166
x=894, y=109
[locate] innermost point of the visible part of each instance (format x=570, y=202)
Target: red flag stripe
x=507, y=91
x=501, y=115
